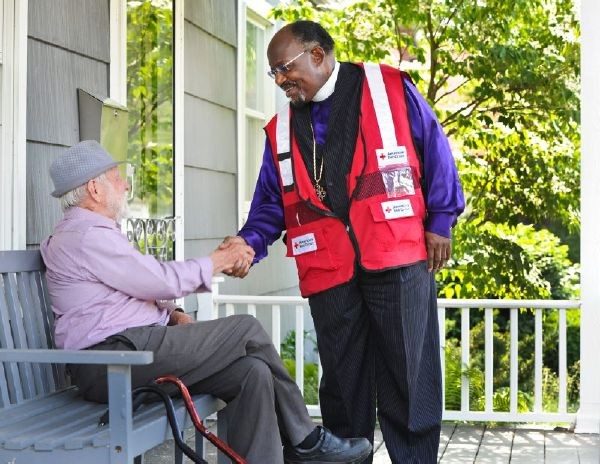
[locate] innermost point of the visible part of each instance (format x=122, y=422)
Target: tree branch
x=432, y=89
x=449, y=92
x=473, y=105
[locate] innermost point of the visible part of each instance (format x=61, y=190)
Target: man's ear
x=93, y=191
x=317, y=54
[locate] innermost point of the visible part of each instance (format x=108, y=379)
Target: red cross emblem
x=388, y=210
x=382, y=156
x=296, y=245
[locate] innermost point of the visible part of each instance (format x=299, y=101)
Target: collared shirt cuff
x=170, y=306
x=440, y=223
x=206, y=272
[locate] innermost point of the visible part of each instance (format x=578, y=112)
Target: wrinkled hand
x=438, y=251
x=178, y=318
x=233, y=257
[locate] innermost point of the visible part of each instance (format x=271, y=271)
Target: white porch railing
x=247, y=304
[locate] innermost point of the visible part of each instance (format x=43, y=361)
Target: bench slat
x=58, y=370
x=18, y=334
x=31, y=333
x=37, y=406
x=76, y=438
x=48, y=425
x=6, y=341
x=22, y=260
x=43, y=330
x=4, y=399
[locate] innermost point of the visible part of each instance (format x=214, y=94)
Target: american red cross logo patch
x=304, y=244
x=397, y=209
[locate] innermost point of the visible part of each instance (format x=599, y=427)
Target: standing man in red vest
x=359, y=173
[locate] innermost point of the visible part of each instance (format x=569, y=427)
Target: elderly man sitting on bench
x=108, y=296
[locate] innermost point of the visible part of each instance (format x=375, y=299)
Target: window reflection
x=150, y=104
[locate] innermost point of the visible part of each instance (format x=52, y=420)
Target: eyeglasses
x=283, y=68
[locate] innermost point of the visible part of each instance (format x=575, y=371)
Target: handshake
x=232, y=257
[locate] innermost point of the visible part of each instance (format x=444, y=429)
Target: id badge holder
x=396, y=172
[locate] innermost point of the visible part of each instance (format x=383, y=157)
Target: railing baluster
x=514, y=360
x=229, y=309
x=562, y=360
x=442, y=329
x=215, y=297
x=252, y=309
x=489, y=359
x=465, y=345
x=300, y=348
x=539, y=362
x=276, y=327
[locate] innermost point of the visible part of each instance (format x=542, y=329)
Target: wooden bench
x=42, y=417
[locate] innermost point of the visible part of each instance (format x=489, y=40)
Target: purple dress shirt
x=100, y=285
x=444, y=196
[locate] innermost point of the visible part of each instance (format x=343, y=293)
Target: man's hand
x=233, y=257
x=177, y=318
x=231, y=240
x=438, y=251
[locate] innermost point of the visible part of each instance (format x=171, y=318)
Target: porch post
x=588, y=417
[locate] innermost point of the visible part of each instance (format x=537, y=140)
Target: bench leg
x=178, y=452
x=222, y=434
x=199, y=445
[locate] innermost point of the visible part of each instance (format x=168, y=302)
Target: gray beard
x=299, y=103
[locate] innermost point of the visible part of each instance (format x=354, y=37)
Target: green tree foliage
x=503, y=78
x=311, y=370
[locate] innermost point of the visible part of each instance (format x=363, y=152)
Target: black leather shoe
x=329, y=449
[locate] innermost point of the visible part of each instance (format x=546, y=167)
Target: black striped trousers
x=378, y=341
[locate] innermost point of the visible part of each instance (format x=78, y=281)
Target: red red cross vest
x=387, y=207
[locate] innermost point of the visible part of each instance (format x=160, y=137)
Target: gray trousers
x=378, y=340
x=231, y=358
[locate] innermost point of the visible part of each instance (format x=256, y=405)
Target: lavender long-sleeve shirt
x=100, y=285
x=444, y=195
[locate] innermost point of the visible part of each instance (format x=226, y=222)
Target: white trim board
x=13, y=161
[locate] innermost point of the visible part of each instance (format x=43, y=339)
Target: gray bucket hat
x=79, y=164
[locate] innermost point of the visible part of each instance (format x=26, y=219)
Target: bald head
x=302, y=54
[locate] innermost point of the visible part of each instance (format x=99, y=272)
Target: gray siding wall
x=68, y=48
x=211, y=146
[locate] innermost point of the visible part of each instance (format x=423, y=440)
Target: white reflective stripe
x=285, y=169
x=282, y=135
x=381, y=104
x=282, y=131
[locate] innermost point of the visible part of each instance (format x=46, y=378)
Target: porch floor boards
x=461, y=444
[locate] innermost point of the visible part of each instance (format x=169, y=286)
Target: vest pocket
x=309, y=246
x=386, y=233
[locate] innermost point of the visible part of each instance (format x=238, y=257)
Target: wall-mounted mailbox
x=105, y=121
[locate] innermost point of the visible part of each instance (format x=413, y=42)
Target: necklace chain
x=318, y=188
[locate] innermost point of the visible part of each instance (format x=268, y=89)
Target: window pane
x=150, y=103
x=255, y=67
x=255, y=143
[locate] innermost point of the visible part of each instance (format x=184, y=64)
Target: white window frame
x=255, y=11
x=118, y=92
x=13, y=161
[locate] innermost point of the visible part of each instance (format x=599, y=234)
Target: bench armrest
x=118, y=358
